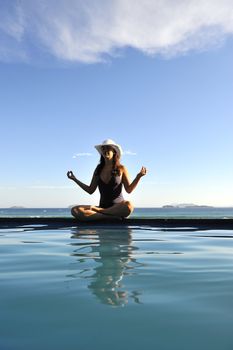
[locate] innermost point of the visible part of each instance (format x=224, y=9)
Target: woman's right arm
x=89, y=189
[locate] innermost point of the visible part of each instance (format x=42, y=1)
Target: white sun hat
x=111, y=143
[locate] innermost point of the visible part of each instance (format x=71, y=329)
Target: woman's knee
x=77, y=210
x=129, y=207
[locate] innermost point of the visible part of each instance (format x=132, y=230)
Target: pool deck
x=55, y=222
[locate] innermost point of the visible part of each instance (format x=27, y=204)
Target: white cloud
x=7, y=188
x=129, y=153
x=47, y=187
x=84, y=154
x=36, y=187
x=88, y=31
x=158, y=183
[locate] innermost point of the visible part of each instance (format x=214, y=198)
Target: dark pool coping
x=55, y=222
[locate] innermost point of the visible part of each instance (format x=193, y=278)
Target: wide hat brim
x=111, y=143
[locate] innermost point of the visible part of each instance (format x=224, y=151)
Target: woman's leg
x=84, y=213
x=123, y=209
x=119, y=210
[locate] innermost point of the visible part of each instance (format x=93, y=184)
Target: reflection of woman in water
x=109, y=176
x=113, y=255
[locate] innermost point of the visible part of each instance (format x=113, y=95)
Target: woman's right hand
x=70, y=175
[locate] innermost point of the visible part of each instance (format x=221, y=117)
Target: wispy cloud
x=129, y=153
x=84, y=154
x=7, y=188
x=37, y=187
x=157, y=183
x=88, y=31
x=48, y=187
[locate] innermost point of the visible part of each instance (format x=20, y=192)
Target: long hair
x=116, y=165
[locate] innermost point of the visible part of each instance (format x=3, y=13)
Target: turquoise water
x=111, y=288
x=192, y=212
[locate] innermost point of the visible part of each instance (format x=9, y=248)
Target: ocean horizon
x=201, y=212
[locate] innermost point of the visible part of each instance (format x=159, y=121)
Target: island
x=185, y=205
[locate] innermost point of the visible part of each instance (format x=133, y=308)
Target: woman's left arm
x=129, y=187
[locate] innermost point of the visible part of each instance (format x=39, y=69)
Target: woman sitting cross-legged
x=109, y=176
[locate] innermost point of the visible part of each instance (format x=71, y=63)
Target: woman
x=109, y=176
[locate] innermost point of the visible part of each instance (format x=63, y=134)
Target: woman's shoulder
x=122, y=168
x=97, y=170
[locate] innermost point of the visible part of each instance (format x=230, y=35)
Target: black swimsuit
x=111, y=192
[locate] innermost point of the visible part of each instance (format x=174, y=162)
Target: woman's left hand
x=142, y=172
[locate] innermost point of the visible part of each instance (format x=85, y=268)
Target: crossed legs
x=88, y=213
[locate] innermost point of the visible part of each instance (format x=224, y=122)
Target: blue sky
x=157, y=77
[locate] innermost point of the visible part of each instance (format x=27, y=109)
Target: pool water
x=116, y=288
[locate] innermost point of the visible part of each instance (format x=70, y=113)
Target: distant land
x=17, y=207
x=186, y=205
x=167, y=206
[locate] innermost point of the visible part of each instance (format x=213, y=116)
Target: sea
x=113, y=287
x=171, y=212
